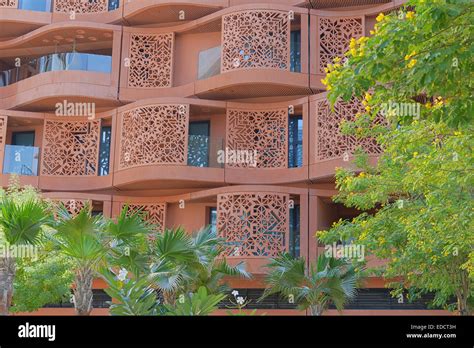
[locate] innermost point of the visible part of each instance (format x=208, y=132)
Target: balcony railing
x=57, y=62
x=47, y=5
x=35, y=5
x=21, y=160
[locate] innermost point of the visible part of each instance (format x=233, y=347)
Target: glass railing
x=57, y=62
x=21, y=160
x=205, y=151
x=35, y=5
x=46, y=5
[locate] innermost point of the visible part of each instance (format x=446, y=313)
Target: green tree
x=23, y=214
x=184, y=263
x=92, y=241
x=328, y=280
x=41, y=281
x=422, y=186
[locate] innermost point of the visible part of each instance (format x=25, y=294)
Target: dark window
x=295, y=142
x=104, y=154
x=294, y=246
x=213, y=219
x=295, y=51
x=113, y=4
x=23, y=138
x=198, y=144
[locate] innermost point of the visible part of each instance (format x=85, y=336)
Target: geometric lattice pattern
x=331, y=143
x=253, y=224
x=73, y=206
x=334, y=37
x=9, y=3
x=70, y=148
x=151, y=58
x=265, y=132
x=154, y=134
x=81, y=6
x=153, y=213
x=256, y=39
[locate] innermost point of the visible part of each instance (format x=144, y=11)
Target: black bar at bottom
x=244, y=331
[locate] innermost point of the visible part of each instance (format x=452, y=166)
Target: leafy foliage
x=199, y=303
x=42, y=281
x=422, y=187
x=329, y=280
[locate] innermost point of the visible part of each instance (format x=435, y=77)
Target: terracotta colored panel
x=151, y=60
x=81, y=6
x=70, y=148
x=9, y=3
x=331, y=143
x=253, y=224
x=334, y=37
x=154, y=134
x=256, y=39
x=265, y=132
x=153, y=213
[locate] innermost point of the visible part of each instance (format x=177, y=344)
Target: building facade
x=206, y=112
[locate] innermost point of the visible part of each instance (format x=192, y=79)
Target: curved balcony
x=169, y=143
x=274, y=136
x=68, y=61
x=57, y=61
x=239, y=52
x=252, y=235
x=60, y=153
x=328, y=147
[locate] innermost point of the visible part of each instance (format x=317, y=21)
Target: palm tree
x=79, y=237
x=329, y=280
x=21, y=223
x=90, y=241
x=183, y=263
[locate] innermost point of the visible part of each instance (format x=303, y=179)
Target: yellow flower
x=380, y=17
x=337, y=59
x=408, y=56
x=324, y=81
x=352, y=43
x=361, y=174
x=415, y=154
x=428, y=105
x=412, y=63
x=353, y=52
x=368, y=96
x=457, y=133
x=368, y=108
x=372, y=32
x=410, y=14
